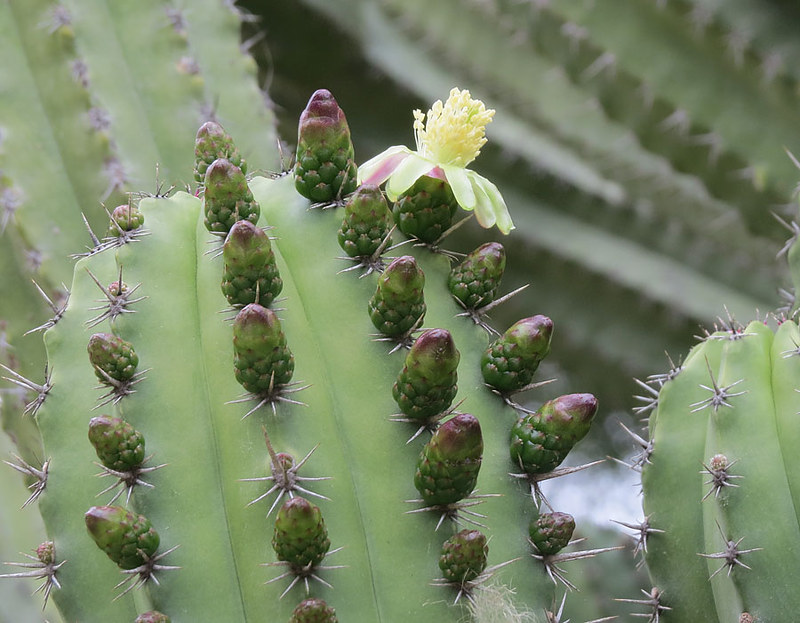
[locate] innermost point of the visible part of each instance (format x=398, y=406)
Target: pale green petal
x=378, y=169
x=459, y=181
x=499, y=210
x=484, y=210
x=406, y=173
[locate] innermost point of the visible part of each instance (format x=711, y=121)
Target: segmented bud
x=540, y=441
x=367, y=221
x=464, y=556
x=125, y=218
x=112, y=355
x=551, y=532
x=425, y=211
x=398, y=303
x=313, y=610
x=119, y=446
x=511, y=361
x=300, y=537
x=262, y=360
x=250, y=266
x=152, y=617
x=227, y=197
x=325, y=167
x=127, y=538
x=214, y=142
x=475, y=281
x=447, y=468
x=426, y=385
x=46, y=553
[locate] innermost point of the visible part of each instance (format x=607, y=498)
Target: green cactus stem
x=325, y=170
x=365, y=231
x=448, y=466
x=313, y=610
x=508, y=365
x=227, y=197
x=425, y=211
x=398, y=306
x=250, y=274
x=214, y=142
x=426, y=385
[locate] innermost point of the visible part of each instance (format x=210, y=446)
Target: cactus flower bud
x=425, y=211
x=447, y=468
x=300, y=537
x=367, y=221
x=551, y=532
x=227, y=198
x=540, y=441
x=214, y=142
x=464, y=556
x=113, y=356
x=124, y=218
x=475, y=280
x=127, y=538
x=262, y=360
x=510, y=361
x=313, y=610
x=325, y=168
x=398, y=303
x=152, y=617
x=249, y=266
x=118, y=445
x=426, y=385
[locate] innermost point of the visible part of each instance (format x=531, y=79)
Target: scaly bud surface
x=112, y=355
x=313, y=610
x=475, y=281
x=511, y=361
x=325, y=168
x=214, y=142
x=425, y=211
x=119, y=446
x=448, y=466
x=367, y=221
x=300, y=537
x=262, y=360
x=426, y=385
x=127, y=538
x=464, y=556
x=152, y=617
x=126, y=218
x=398, y=303
x=250, y=266
x=551, y=532
x=227, y=197
x=540, y=441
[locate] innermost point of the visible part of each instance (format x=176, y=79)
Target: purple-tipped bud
x=313, y=610
x=213, y=142
x=551, y=532
x=124, y=218
x=113, y=356
x=127, y=538
x=119, y=446
x=46, y=553
x=475, y=281
x=152, y=616
x=227, y=198
x=464, y=556
x=510, y=362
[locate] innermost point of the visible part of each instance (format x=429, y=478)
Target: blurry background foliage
x=641, y=147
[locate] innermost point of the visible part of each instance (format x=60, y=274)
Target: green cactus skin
x=300, y=537
x=464, y=556
x=398, y=304
x=119, y=446
x=112, y=357
x=214, y=142
x=425, y=211
x=734, y=396
x=540, y=441
x=127, y=539
x=152, y=616
x=448, y=466
x=250, y=269
x=182, y=407
x=227, y=198
x=124, y=218
x=551, y=532
x=262, y=360
x=476, y=279
x=426, y=385
x=367, y=221
x=325, y=169
x=313, y=611
x=509, y=363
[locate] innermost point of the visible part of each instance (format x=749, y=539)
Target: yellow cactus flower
x=450, y=138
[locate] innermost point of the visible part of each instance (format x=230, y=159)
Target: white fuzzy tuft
x=494, y=603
